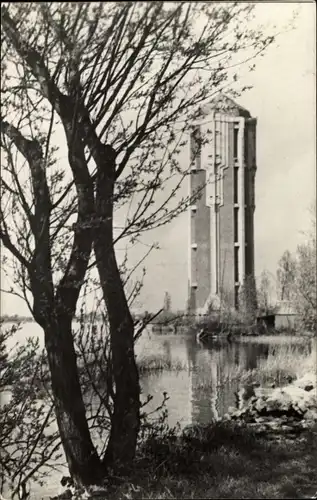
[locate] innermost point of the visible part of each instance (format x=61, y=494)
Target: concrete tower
x=221, y=234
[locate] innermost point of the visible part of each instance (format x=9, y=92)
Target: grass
x=154, y=363
x=287, y=361
x=224, y=461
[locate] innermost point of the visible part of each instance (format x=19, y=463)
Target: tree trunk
x=126, y=418
x=84, y=464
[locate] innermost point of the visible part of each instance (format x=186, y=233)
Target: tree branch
x=9, y=245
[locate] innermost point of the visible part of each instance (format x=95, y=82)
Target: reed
x=287, y=361
x=157, y=363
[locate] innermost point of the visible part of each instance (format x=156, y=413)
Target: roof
x=223, y=103
x=285, y=307
x=290, y=313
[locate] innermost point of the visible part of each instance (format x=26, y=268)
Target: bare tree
x=297, y=278
x=305, y=290
x=122, y=83
x=264, y=293
x=305, y=286
x=286, y=273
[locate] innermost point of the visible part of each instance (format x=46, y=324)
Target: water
x=201, y=392
x=197, y=394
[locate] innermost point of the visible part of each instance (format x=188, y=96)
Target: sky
x=283, y=100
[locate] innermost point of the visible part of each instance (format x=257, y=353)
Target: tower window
x=235, y=185
x=235, y=143
x=235, y=223
x=236, y=264
x=246, y=147
x=246, y=185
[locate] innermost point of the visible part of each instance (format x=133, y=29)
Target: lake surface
x=199, y=393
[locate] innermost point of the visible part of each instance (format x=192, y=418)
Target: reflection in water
x=203, y=393
x=204, y=407
x=167, y=350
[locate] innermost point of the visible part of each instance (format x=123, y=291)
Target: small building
x=284, y=317
x=266, y=320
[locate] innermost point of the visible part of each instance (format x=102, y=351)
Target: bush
x=24, y=416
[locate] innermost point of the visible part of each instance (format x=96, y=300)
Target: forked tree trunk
x=126, y=418
x=83, y=461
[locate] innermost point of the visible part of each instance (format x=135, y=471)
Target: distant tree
x=264, y=293
x=297, y=278
x=305, y=289
x=306, y=278
x=286, y=274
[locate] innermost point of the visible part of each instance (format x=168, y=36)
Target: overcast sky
x=283, y=100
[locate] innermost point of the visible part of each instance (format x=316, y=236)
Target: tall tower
x=221, y=220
